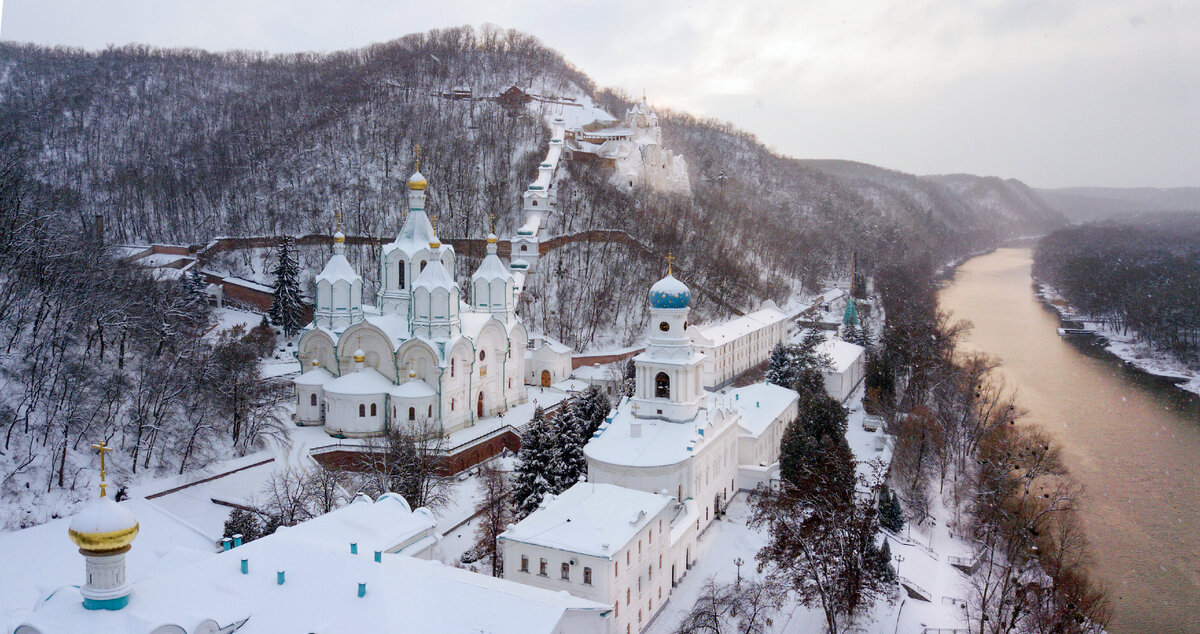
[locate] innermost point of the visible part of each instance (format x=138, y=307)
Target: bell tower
x=668, y=373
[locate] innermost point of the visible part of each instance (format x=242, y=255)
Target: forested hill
x=183, y=146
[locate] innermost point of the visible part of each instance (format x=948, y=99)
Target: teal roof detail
x=850, y=317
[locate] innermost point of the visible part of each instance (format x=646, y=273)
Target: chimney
x=635, y=428
x=279, y=577
x=245, y=566
x=237, y=540
x=226, y=544
x=362, y=590
x=378, y=556
x=353, y=548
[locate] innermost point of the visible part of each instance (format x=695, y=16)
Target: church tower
x=493, y=287
x=668, y=373
x=403, y=260
x=339, y=290
x=436, y=303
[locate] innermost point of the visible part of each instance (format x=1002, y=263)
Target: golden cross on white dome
x=102, y=448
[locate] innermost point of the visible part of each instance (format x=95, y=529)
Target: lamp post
x=899, y=558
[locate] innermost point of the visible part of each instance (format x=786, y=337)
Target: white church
x=419, y=355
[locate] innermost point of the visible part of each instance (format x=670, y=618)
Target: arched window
x=423, y=263
x=373, y=410
x=430, y=414
x=452, y=405
x=452, y=368
x=402, y=275
x=662, y=385
x=362, y=410
x=482, y=355
x=412, y=413
x=312, y=399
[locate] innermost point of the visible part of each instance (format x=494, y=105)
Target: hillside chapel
x=419, y=355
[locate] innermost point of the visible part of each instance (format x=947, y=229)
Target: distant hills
x=1083, y=204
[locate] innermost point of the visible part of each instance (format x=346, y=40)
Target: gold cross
x=670, y=258
x=102, y=448
x=635, y=410
x=339, y=219
x=434, y=218
x=417, y=154
x=491, y=223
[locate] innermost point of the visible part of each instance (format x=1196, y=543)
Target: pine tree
x=193, y=281
x=287, y=309
x=798, y=366
x=590, y=408
x=244, y=523
x=571, y=439
x=891, y=516
x=533, y=462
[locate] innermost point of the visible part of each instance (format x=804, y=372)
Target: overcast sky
x=1053, y=92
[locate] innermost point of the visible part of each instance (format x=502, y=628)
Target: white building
x=548, y=362
x=607, y=377
x=600, y=542
x=848, y=367
x=420, y=354
x=737, y=345
x=765, y=410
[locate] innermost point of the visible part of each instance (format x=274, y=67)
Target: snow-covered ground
x=1125, y=345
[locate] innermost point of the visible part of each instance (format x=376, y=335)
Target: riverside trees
x=955, y=425
x=1144, y=277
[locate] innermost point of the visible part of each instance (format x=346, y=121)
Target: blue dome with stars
x=670, y=293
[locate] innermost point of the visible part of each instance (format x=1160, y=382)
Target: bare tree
x=746, y=606
x=407, y=460
x=495, y=514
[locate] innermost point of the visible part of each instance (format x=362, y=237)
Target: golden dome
x=103, y=526
x=492, y=239
x=417, y=182
x=339, y=237
x=359, y=356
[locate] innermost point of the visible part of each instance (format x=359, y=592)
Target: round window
x=664, y=326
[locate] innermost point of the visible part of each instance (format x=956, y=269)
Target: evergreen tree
x=882, y=559
x=814, y=455
x=891, y=516
x=194, y=283
x=798, y=366
x=571, y=440
x=287, y=309
x=244, y=523
x=531, y=481
x=591, y=407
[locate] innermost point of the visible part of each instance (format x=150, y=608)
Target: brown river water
x=1132, y=440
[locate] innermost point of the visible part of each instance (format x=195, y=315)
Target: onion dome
x=669, y=292
x=339, y=237
x=316, y=363
x=492, y=239
x=103, y=526
x=417, y=182
x=359, y=356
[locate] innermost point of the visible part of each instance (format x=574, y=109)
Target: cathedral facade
x=420, y=355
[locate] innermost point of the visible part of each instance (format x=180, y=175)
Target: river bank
x=1125, y=345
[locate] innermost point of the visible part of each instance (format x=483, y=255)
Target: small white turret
x=339, y=289
x=104, y=532
x=493, y=288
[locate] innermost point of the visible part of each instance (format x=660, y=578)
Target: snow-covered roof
x=597, y=372
x=669, y=292
x=842, y=353
x=416, y=234
x=571, y=385
x=315, y=376
x=388, y=525
x=319, y=593
x=589, y=519
x=660, y=442
x=366, y=381
x=731, y=330
x=435, y=276
x=760, y=404
x=46, y=559
x=413, y=388
x=393, y=326
x=338, y=268
x=491, y=269
x=553, y=344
